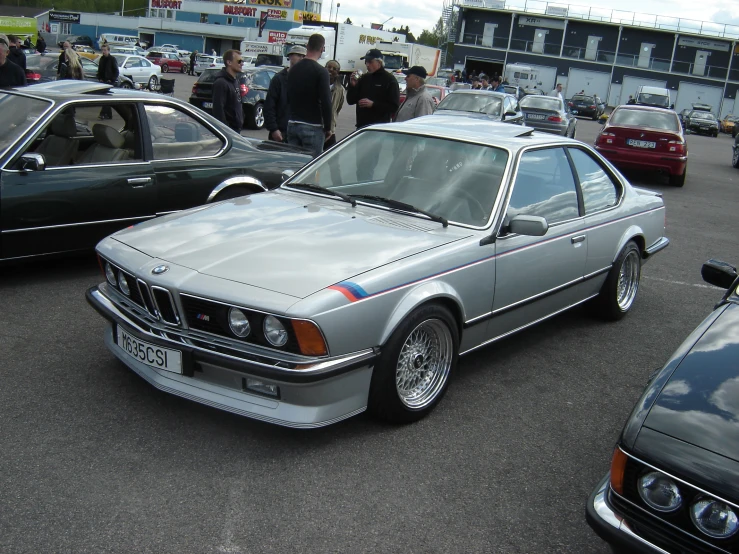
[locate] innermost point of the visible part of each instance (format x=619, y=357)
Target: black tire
x=735, y=156
x=254, y=118
x=153, y=82
x=573, y=132
x=126, y=84
x=183, y=69
x=606, y=304
x=595, y=116
x=384, y=400
x=679, y=180
x=232, y=192
x=165, y=68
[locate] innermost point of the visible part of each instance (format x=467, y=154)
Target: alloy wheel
x=628, y=281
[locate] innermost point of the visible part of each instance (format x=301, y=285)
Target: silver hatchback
x=548, y=114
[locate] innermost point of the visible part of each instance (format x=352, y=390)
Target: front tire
x=679, y=180
x=255, y=119
x=165, y=68
x=735, y=157
x=153, y=82
x=619, y=292
x=413, y=371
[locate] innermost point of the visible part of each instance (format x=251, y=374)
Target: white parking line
x=699, y=285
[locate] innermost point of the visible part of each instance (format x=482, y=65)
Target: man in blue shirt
x=496, y=85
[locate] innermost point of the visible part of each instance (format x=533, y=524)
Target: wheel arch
x=635, y=233
x=242, y=181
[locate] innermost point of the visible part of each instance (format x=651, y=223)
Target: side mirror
x=672, y=106
x=529, y=225
x=718, y=273
x=31, y=162
x=509, y=113
x=287, y=174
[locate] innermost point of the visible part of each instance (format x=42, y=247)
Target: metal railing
x=714, y=71
x=656, y=64
x=477, y=40
x=550, y=48
x=578, y=53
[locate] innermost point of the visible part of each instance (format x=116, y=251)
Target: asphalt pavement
x=93, y=459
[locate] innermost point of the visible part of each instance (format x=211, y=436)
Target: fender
x=630, y=233
x=422, y=294
x=241, y=180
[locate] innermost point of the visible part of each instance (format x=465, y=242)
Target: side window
x=145, y=63
x=261, y=79
x=175, y=134
x=544, y=187
x=132, y=62
x=598, y=190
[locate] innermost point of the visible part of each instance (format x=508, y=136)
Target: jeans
x=309, y=137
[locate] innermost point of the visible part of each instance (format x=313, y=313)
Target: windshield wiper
x=402, y=206
x=323, y=190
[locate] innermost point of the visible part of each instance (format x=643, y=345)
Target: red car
x=167, y=61
x=642, y=137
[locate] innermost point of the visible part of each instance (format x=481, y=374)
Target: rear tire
x=153, y=82
x=255, y=118
x=735, y=157
x=679, y=180
x=183, y=69
x=619, y=292
x=165, y=68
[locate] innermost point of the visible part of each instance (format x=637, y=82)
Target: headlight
x=238, y=323
x=275, y=331
x=714, y=518
x=123, y=283
x=110, y=274
x=659, y=492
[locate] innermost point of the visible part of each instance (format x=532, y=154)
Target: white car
x=128, y=50
x=206, y=61
x=139, y=70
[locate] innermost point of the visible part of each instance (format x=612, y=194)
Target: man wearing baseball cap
x=376, y=94
x=418, y=102
x=275, y=105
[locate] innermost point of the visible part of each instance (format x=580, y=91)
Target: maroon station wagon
x=168, y=61
x=642, y=137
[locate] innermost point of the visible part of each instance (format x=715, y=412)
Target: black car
x=701, y=123
x=674, y=479
x=254, y=84
x=590, y=106
x=42, y=69
x=70, y=178
x=74, y=40
x=735, y=151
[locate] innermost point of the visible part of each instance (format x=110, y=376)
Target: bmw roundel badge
x=158, y=270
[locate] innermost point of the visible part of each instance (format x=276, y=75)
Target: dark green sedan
x=81, y=160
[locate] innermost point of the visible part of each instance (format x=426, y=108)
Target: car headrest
x=186, y=132
x=64, y=126
x=107, y=136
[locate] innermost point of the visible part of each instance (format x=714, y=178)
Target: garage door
x=592, y=82
x=632, y=84
x=690, y=93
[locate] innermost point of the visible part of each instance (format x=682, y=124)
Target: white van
x=122, y=40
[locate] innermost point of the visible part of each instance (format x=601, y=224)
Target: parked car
x=657, y=97
x=206, y=61
x=75, y=40
x=41, y=68
x=437, y=93
x=735, y=152
x=701, y=123
x=515, y=91
x=167, y=61
x=683, y=116
x=589, y=106
x=437, y=82
x=128, y=50
x=642, y=137
x=86, y=52
x=357, y=284
x=70, y=179
x=548, y=114
x=139, y=70
x=673, y=483
x=254, y=84
x=728, y=123
x=400, y=77
x=482, y=104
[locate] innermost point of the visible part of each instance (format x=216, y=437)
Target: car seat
x=108, y=147
x=59, y=147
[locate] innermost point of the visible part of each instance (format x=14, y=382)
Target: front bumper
x=610, y=526
x=324, y=392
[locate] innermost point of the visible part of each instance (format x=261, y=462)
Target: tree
x=405, y=31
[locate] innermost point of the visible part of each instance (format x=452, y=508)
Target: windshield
x=642, y=118
x=476, y=103
x=393, y=61
x=456, y=180
x=580, y=98
x=659, y=100
x=17, y=115
x=542, y=103
x=702, y=115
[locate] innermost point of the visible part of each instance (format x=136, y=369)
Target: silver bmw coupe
x=359, y=282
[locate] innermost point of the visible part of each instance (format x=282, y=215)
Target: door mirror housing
x=718, y=273
x=31, y=162
x=529, y=225
x=287, y=174
x=509, y=113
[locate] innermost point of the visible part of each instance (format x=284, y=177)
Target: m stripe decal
x=351, y=290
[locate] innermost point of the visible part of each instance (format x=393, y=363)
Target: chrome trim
x=238, y=180
x=86, y=166
x=178, y=322
x=579, y=238
x=139, y=181
x=146, y=293
x=316, y=364
x=661, y=244
x=65, y=225
x=522, y=327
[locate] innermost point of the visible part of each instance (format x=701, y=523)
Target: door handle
x=138, y=182
x=579, y=238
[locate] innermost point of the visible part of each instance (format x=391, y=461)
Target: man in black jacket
x=40, y=44
x=193, y=60
x=226, y=93
x=61, y=68
x=16, y=55
x=11, y=75
x=107, y=73
x=275, y=105
x=376, y=93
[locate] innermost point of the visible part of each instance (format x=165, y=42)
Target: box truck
x=400, y=55
x=261, y=53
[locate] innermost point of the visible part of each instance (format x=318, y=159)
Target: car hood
x=291, y=243
x=700, y=403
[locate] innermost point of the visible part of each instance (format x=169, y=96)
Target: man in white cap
x=418, y=102
x=275, y=105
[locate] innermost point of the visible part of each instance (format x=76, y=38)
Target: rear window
x=209, y=75
x=154, y=55
x=205, y=59
x=541, y=102
x=581, y=98
x=642, y=118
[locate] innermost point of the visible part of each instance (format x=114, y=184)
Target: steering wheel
x=474, y=205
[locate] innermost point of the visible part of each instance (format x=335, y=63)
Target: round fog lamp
x=714, y=518
x=123, y=283
x=275, y=331
x=659, y=492
x=110, y=274
x=238, y=323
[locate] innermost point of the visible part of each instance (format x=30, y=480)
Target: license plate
x=641, y=143
x=150, y=354
x=208, y=105
x=535, y=116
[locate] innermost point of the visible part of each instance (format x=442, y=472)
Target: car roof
x=70, y=89
x=469, y=129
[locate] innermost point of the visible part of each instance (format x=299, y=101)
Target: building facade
x=610, y=59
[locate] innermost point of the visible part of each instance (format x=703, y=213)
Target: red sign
x=277, y=36
x=236, y=10
x=169, y=4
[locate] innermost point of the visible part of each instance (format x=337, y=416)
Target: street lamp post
x=382, y=25
x=338, y=5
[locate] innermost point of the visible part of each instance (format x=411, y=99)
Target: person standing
x=72, y=69
x=337, y=99
x=107, y=73
x=16, y=54
x=309, y=99
x=275, y=105
x=418, y=102
x=193, y=58
x=40, y=44
x=227, y=106
x=376, y=94
x=11, y=75
x=557, y=92
x=496, y=85
x=62, y=66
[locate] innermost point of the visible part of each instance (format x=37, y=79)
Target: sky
x=423, y=14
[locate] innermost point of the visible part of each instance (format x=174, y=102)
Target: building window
x=241, y=19
x=229, y=21
x=203, y=18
